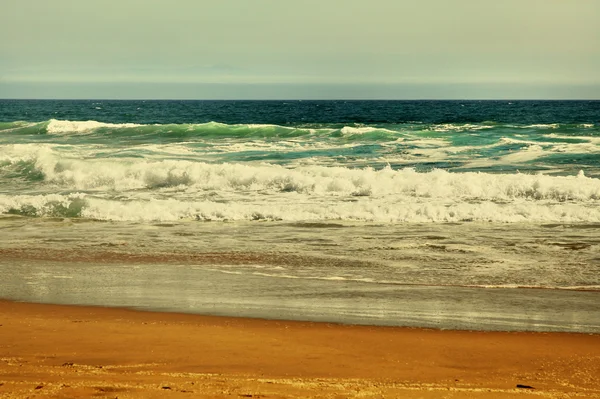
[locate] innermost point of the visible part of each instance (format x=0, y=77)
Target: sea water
x=447, y=214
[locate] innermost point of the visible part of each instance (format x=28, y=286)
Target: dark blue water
x=296, y=112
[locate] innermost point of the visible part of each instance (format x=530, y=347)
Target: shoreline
x=82, y=351
x=380, y=279
x=174, y=313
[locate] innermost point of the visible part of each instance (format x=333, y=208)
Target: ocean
x=444, y=214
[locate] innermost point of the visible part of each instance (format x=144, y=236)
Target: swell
x=67, y=128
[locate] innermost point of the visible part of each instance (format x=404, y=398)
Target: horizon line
x=298, y=99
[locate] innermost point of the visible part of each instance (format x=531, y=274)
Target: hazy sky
x=300, y=49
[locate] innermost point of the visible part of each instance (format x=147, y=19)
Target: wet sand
x=75, y=351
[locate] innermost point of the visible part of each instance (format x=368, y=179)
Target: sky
x=322, y=49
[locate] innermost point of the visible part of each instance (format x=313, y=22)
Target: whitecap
x=65, y=126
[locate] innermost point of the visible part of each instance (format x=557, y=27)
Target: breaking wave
x=297, y=208
x=142, y=189
x=123, y=174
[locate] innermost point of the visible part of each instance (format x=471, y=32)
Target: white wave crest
x=349, y=130
x=378, y=210
x=64, y=126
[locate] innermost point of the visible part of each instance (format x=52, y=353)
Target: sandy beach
x=74, y=351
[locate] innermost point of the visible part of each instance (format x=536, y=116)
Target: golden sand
x=71, y=351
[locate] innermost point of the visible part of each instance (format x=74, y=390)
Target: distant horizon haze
x=282, y=92
x=269, y=49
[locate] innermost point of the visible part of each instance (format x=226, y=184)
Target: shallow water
x=465, y=276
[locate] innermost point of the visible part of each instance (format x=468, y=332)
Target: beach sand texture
x=55, y=351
